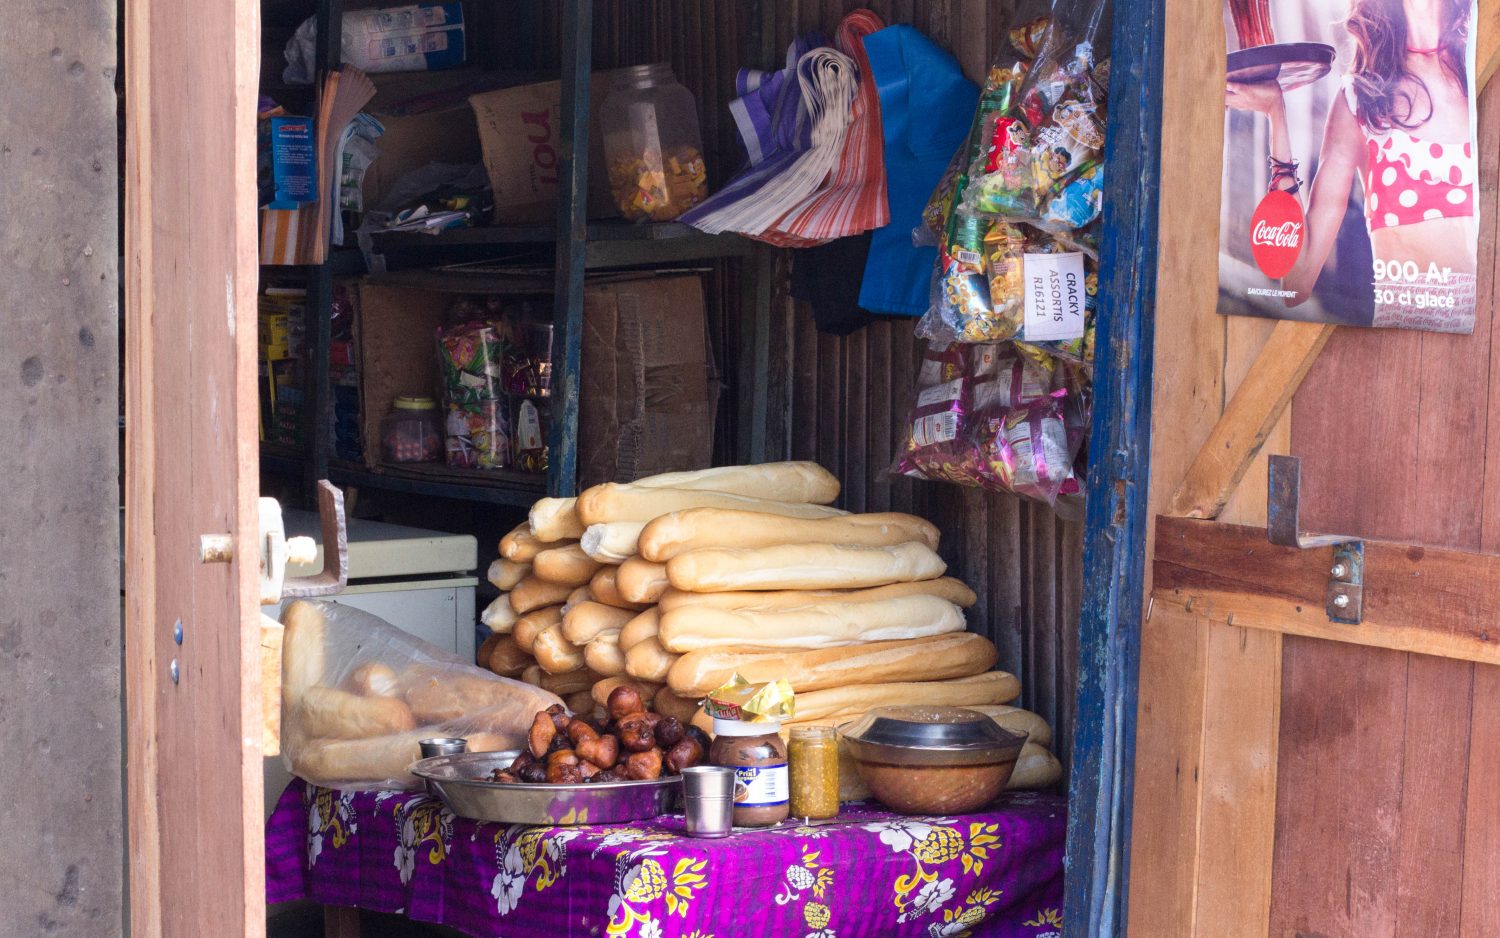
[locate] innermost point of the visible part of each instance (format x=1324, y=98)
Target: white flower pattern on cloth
x=901, y=833
x=929, y=899
x=509, y=882
x=650, y=929
x=421, y=820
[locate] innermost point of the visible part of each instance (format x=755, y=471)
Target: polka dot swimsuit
x=1408, y=180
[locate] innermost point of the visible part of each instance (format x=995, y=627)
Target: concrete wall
x=62, y=814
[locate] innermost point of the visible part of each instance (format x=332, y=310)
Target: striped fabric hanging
x=754, y=201
x=854, y=200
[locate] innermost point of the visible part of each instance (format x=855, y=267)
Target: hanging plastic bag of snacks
x=1040, y=158
x=989, y=417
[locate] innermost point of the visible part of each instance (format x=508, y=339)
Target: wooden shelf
x=496, y=487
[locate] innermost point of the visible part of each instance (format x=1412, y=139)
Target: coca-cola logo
x=1276, y=234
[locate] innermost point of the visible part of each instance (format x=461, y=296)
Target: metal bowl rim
x=419, y=769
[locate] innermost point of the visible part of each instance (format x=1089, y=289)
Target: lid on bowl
x=930, y=735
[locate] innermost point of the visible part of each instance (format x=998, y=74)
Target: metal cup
x=443, y=746
x=706, y=816
x=708, y=781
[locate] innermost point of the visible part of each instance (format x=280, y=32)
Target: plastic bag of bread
x=357, y=694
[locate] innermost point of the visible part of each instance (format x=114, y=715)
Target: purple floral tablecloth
x=997, y=873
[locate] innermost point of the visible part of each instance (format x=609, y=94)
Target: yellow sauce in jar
x=814, y=757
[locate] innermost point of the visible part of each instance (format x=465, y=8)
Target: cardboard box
x=648, y=396
x=424, y=124
x=647, y=390
x=518, y=131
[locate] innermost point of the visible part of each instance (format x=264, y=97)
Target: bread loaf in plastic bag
x=358, y=694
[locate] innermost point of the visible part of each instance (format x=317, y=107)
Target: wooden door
x=1297, y=777
x=192, y=704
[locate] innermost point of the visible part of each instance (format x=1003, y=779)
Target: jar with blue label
x=758, y=756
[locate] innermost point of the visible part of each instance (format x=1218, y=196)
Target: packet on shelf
x=739, y=700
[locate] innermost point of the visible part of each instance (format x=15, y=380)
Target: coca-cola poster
x=1350, y=163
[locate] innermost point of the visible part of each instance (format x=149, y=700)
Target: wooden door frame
x=196, y=863
x=1100, y=789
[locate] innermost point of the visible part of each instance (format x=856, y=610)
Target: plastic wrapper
x=1039, y=158
x=994, y=417
x=358, y=694
x=477, y=421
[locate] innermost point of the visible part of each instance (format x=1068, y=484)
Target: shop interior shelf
x=610, y=243
x=498, y=486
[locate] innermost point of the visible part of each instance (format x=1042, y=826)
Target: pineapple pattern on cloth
x=995, y=873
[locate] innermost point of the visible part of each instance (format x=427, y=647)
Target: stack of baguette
x=675, y=582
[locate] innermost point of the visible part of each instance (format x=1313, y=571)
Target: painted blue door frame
x=1114, y=562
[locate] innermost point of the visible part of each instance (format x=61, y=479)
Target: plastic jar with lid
x=653, y=149
x=758, y=756
x=412, y=431
x=814, y=758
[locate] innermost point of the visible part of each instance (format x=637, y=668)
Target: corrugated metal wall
x=842, y=401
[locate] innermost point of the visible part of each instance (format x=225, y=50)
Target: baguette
x=373, y=679
x=376, y=760
x=637, y=630
x=604, y=688
x=1017, y=720
x=934, y=658
x=507, y=658
x=555, y=653
x=611, y=543
x=555, y=519
x=338, y=714
x=482, y=654
x=577, y=598
x=522, y=546
x=583, y=622
x=840, y=704
x=820, y=625
x=499, y=615
x=669, y=704
x=788, y=481
x=603, y=654
x=648, y=661
x=580, y=702
x=533, y=623
x=505, y=574
x=303, y=655
x=1036, y=767
x=568, y=566
x=699, y=528
x=379, y=760
x=570, y=682
x=642, y=581
x=613, y=501
x=438, y=696
x=945, y=587
x=802, y=566
x=605, y=588
x=533, y=593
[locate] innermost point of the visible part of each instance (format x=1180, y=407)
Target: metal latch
x=1344, y=598
x=277, y=550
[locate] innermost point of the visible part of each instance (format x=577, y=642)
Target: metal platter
x=461, y=782
x=1290, y=64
